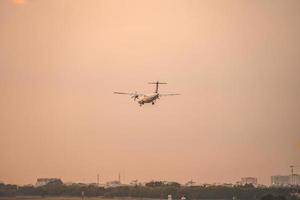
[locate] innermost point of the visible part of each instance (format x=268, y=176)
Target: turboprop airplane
x=147, y=98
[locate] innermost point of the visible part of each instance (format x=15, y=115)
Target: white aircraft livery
x=147, y=98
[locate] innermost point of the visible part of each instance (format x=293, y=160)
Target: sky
x=236, y=64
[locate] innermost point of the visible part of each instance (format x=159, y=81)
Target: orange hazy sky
x=236, y=63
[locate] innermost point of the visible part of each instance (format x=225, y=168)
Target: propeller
x=135, y=96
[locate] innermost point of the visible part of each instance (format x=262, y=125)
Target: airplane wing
x=124, y=93
x=134, y=95
x=168, y=94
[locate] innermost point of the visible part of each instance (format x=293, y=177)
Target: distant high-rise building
x=279, y=180
x=249, y=180
x=286, y=180
x=294, y=179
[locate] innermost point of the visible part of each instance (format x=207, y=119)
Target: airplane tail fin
x=157, y=83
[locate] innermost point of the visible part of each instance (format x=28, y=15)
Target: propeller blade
x=135, y=96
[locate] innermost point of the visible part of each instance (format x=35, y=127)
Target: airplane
x=147, y=98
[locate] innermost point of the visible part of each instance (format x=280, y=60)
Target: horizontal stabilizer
x=157, y=83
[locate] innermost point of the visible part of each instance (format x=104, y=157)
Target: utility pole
x=98, y=180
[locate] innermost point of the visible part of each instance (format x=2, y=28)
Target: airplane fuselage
x=149, y=98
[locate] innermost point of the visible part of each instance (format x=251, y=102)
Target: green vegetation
x=155, y=189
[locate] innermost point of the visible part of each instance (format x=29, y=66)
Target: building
x=112, y=184
x=294, y=179
x=249, y=180
x=230, y=185
x=280, y=181
x=46, y=181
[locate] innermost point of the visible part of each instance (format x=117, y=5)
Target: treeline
x=156, y=189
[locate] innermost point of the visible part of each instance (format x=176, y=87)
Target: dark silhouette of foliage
x=154, y=189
